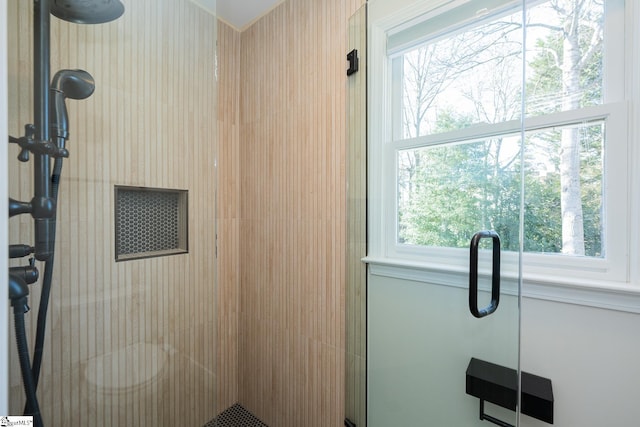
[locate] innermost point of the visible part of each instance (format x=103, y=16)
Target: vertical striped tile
x=292, y=233
x=228, y=215
x=148, y=123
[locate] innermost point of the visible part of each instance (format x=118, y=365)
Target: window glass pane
x=466, y=78
x=564, y=55
x=473, y=76
x=447, y=193
x=553, y=157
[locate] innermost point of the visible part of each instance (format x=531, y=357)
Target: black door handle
x=473, y=274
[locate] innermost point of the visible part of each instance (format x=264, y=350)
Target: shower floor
x=235, y=416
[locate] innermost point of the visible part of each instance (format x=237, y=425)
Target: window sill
x=616, y=296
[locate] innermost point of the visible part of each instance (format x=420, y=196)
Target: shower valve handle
x=20, y=251
x=24, y=155
x=17, y=207
x=47, y=148
x=24, y=142
x=38, y=207
x=29, y=144
x=28, y=273
x=24, y=152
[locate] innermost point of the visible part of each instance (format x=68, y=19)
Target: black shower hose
x=40, y=331
x=46, y=291
x=23, y=356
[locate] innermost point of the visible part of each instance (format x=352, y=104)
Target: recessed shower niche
x=150, y=222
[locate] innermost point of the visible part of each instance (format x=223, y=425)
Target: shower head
x=74, y=84
x=87, y=11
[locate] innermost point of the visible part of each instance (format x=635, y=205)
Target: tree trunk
x=570, y=199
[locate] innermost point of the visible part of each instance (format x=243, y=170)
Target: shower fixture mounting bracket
x=28, y=143
x=354, y=61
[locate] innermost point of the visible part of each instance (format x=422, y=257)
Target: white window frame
x=611, y=282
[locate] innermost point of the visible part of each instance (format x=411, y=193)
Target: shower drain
x=235, y=416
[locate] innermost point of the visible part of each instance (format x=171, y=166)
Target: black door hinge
x=352, y=57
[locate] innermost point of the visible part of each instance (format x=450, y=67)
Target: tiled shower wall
x=292, y=231
x=149, y=123
x=229, y=169
x=128, y=343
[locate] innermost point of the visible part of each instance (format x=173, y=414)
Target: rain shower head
x=87, y=11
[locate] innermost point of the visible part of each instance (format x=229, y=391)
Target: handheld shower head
x=74, y=84
x=87, y=11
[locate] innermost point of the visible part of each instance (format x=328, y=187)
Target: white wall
x=590, y=354
x=4, y=298
x=421, y=338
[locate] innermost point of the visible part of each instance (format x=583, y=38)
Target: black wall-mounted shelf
x=498, y=384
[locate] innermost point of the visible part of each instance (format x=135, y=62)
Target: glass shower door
x=445, y=237
x=123, y=323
